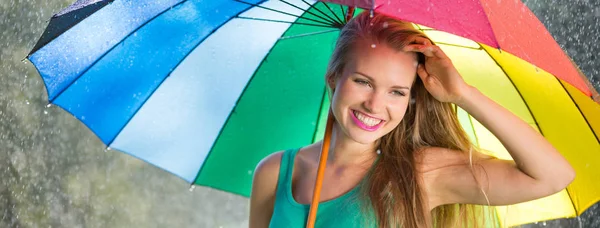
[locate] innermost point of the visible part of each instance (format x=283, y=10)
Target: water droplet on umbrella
x=373, y=45
x=385, y=24
x=249, y=172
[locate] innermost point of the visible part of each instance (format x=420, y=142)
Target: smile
x=365, y=122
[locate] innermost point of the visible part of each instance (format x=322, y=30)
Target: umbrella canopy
x=205, y=89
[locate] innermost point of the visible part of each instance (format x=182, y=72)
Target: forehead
x=383, y=63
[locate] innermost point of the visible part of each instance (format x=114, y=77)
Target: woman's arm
x=264, y=187
x=534, y=156
x=538, y=169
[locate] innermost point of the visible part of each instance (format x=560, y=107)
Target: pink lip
x=363, y=126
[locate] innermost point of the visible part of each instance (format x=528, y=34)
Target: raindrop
x=249, y=172
x=45, y=112
x=385, y=24
x=49, y=105
x=373, y=45
x=26, y=102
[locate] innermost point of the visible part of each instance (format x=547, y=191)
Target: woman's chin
x=365, y=138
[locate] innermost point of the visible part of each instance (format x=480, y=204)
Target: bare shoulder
x=266, y=172
x=264, y=188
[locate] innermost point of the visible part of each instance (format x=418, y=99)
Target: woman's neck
x=345, y=151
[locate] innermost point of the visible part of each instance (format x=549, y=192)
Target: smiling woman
x=399, y=156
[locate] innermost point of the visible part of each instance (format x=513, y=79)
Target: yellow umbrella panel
x=565, y=116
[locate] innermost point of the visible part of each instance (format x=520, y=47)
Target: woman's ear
x=331, y=83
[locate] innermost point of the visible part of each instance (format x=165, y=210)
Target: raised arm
x=539, y=169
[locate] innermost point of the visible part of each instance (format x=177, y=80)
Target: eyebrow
x=371, y=79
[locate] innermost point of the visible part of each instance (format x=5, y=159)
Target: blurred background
x=54, y=172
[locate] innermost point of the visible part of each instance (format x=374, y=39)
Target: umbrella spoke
x=327, y=15
x=288, y=22
x=330, y=10
x=286, y=13
x=331, y=20
x=308, y=34
x=343, y=13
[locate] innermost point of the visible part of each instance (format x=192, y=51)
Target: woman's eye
x=362, y=82
x=398, y=93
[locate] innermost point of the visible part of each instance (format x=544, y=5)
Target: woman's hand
x=439, y=75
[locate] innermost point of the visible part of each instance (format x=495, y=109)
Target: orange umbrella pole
x=312, y=214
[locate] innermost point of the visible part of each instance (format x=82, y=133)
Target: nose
x=374, y=103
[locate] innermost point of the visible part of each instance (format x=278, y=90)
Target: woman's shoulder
x=267, y=170
x=268, y=167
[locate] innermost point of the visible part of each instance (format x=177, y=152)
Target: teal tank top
x=344, y=211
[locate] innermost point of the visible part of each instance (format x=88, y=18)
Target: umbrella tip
x=192, y=187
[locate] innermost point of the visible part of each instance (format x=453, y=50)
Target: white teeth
x=366, y=120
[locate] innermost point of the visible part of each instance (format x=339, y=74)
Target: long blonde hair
x=393, y=189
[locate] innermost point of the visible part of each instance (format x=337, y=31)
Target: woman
x=398, y=155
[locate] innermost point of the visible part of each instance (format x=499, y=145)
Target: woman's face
x=373, y=91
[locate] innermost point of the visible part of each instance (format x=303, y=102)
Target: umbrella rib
x=311, y=13
x=343, y=13
x=330, y=10
x=110, y=49
x=578, y=109
x=278, y=21
x=171, y=71
x=233, y=110
x=327, y=15
x=308, y=34
x=518, y=92
x=285, y=13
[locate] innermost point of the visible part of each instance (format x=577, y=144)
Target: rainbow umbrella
x=205, y=89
